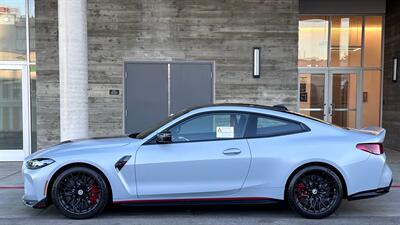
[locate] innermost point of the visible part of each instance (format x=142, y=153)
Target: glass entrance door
x=332, y=96
x=313, y=95
x=14, y=113
x=343, y=99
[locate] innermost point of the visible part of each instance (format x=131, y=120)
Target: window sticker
x=225, y=132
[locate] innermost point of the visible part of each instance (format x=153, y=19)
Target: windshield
x=150, y=130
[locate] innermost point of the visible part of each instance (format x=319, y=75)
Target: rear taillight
x=374, y=148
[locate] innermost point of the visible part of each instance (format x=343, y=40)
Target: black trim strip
x=205, y=201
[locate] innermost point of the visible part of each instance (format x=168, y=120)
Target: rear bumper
x=34, y=203
x=370, y=193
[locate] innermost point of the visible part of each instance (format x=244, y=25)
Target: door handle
x=331, y=108
x=232, y=151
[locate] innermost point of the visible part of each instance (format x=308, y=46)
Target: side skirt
x=199, y=201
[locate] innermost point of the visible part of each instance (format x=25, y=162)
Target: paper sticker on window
x=225, y=132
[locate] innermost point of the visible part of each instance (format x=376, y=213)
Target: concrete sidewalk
x=10, y=173
x=380, y=210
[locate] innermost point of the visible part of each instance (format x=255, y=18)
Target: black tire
x=315, y=192
x=80, y=193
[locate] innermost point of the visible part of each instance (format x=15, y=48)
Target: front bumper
x=370, y=193
x=35, y=185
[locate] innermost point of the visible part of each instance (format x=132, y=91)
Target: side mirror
x=164, y=137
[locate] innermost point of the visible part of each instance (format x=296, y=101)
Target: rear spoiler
x=378, y=132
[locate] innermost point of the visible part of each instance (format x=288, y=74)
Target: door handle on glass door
x=232, y=151
x=331, y=108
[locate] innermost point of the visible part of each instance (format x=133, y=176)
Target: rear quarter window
x=266, y=126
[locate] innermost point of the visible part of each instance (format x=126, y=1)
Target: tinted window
x=210, y=126
x=261, y=126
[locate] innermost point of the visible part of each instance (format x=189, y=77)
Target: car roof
x=279, y=108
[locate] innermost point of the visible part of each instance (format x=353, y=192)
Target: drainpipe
x=73, y=61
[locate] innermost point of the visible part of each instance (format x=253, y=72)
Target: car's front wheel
x=315, y=192
x=80, y=192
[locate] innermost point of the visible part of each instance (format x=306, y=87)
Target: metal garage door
x=153, y=90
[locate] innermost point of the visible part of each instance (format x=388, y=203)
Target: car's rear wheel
x=315, y=192
x=80, y=193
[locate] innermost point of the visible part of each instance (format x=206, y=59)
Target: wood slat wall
x=47, y=83
x=205, y=30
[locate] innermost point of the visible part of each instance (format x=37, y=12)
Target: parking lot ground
x=381, y=210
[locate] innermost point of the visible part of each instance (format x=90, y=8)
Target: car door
x=275, y=143
x=207, y=157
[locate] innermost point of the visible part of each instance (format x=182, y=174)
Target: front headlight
x=34, y=164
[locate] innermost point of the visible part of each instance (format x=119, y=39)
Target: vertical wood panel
x=47, y=83
x=205, y=30
x=391, y=91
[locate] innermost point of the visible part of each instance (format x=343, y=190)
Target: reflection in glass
x=373, y=41
x=313, y=41
x=12, y=30
x=316, y=114
x=344, y=99
x=344, y=118
x=33, y=109
x=346, y=38
x=371, y=98
x=311, y=92
x=344, y=91
x=10, y=110
x=346, y=47
x=32, y=42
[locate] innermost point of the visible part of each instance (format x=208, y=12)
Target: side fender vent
x=121, y=162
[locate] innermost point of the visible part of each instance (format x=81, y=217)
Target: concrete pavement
x=381, y=210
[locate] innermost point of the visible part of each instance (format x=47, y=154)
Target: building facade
x=329, y=59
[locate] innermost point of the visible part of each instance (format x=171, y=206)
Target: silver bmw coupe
x=227, y=153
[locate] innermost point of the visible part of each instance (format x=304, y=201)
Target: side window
x=262, y=126
x=210, y=126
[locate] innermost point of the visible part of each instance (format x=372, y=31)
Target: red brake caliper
x=300, y=190
x=94, y=191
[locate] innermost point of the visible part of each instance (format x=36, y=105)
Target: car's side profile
x=228, y=153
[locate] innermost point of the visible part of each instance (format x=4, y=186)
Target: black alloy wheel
x=80, y=193
x=315, y=192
